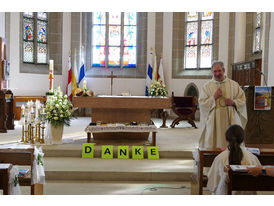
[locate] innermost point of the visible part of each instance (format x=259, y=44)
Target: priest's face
x=218, y=73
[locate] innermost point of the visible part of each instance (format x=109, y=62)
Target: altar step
x=97, y=169
x=76, y=151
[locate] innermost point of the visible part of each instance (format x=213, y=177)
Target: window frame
x=199, y=44
x=122, y=25
x=255, y=28
x=35, y=35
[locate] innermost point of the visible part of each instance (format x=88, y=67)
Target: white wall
x=2, y=24
x=23, y=84
x=270, y=80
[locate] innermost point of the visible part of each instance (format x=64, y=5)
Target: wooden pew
x=242, y=181
x=4, y=178
x=207, y=157
x=18, y=156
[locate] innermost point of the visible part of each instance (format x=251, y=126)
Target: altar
x=121, y=109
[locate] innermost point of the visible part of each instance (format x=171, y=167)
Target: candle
x=85, y=84
x=51, y=72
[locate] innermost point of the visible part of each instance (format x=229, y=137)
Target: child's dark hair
x=235, y=136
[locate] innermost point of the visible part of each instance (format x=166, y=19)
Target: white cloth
x=215, y=116
x=218, y=178
x=38, y=172
x=14, y=181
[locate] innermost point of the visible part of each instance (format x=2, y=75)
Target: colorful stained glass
x=206, y=56
x=130, y=18
x=42, y=15
x=129, y=58
x=115, y=18
x=28, y=52
x=98, y=56
x=206, y=32
x=207, y=15
x=28, y=29
x=114, y=35
x=28, y=14
x=42, y=31
x=42, y=53
x=191, y=57
x=191, y=38
x=98, y=35
x=192, y=16
x=114, y=57
x=130, y=35
x=99, y=18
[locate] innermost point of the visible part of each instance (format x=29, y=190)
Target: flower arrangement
x=157, y=88
x=58, y=109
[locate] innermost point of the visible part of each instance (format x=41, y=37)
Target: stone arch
x=192, y=90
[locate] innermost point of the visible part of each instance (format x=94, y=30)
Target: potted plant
x=59, y=113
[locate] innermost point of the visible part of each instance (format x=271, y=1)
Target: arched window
x=35, y=37
x=257, y=28
x=198, y=52
x=114, y=37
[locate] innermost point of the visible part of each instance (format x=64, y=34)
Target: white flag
x=161, y=72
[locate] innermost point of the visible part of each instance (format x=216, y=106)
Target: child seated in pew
x=233, y=155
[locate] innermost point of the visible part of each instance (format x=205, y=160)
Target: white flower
x=55, y=118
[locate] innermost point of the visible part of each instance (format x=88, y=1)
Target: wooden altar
x=115, y=109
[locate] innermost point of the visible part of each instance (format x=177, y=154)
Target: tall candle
x=51, y=72
x=85, y=84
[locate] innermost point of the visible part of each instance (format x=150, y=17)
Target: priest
x=222, y=103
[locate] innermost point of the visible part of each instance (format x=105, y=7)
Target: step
x=76, y=151
x=61, y=168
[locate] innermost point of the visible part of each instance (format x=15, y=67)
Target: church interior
x=101, y=61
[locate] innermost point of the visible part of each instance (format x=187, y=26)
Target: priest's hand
x=218, y=93
x=229, y=102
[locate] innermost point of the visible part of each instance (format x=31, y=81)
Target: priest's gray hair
x=220, y=63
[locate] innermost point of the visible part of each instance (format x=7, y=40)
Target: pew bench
x=242, y=181
x=22, y=156
x=4, y=178
x=206, y=158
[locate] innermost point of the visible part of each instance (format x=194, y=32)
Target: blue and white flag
x=82, y=71
x=150, y=77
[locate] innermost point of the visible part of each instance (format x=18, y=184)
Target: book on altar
x=240, y=168
x=23, y=173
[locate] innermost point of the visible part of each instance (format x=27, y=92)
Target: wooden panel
x=259, y=129
x=120, y=115
x=131, y=102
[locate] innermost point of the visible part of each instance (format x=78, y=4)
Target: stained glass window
x=257, y=32
x=115, y=33
x=35, y=44
x=199, y=40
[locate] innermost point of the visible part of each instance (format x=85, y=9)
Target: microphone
x=261, y=73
